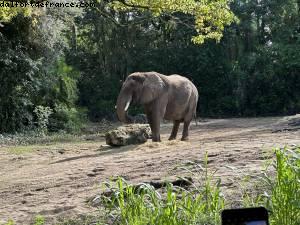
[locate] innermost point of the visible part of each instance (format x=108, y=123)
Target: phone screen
x=245, y=216
x=257, y=222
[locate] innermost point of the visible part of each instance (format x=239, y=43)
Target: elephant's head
x=138, y=88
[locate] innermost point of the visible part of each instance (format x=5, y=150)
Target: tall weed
x=174, y=206
x=284, y=200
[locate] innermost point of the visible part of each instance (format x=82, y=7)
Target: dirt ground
x=56, y=180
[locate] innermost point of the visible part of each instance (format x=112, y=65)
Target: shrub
x=284, y=200
x=145, y=205
x=42, y=113
x=69, y=119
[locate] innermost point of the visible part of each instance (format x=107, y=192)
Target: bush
x=69, y=119
x=42, y=113
x=145, y=205
x=284, y=200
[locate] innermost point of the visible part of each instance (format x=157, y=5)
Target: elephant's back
x=178, y=78
x=180, y=82
x=182, y=95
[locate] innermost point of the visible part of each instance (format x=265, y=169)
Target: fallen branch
x=180, y=182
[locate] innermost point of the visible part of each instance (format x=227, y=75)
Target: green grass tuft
x=284, y=200
x=175, y=206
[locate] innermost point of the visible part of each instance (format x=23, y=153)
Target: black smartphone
x=245, y=216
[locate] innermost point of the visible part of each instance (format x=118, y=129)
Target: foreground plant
x=284, y=200
x=134, y=205
x=146, y=205
x=202, y=205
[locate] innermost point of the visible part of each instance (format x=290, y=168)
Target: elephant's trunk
x=122, y=106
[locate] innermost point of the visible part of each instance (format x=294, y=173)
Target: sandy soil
x=56, y=180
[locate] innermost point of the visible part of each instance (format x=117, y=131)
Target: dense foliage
x=253, y=71
x=68, y=59
x=34, y=75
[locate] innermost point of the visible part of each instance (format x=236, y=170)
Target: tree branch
x=133, y=6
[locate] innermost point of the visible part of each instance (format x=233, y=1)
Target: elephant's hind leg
x=173, y=135
x=185, y=132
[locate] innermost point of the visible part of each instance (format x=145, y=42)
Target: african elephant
x=164, y=97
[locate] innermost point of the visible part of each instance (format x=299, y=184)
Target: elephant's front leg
x=185, y=132
x=154, y=122
x=155, y=129
x=150, y=121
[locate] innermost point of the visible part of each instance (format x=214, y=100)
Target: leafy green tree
x=32, y=72
x=261, y=47
x=210, y=17
x=7, y=12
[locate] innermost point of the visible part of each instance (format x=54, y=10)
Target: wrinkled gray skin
x=164, y=97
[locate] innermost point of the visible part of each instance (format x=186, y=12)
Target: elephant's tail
x=195, y=118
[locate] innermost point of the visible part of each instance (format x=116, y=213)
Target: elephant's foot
x=156, y=140
x=171, y=138
x=185, y=138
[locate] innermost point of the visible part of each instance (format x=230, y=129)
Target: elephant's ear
x=153, y=86
x=138, y=77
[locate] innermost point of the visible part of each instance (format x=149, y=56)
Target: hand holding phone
x=245, y=216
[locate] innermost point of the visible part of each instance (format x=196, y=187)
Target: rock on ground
x=128, y=134
x=287, y=123
x=294, y=120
